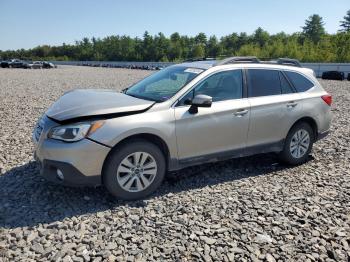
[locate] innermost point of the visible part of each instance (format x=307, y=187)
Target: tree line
x=313, y=44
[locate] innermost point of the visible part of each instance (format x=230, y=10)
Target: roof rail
x=289, y=61
x=238, y=59
x=199, y=59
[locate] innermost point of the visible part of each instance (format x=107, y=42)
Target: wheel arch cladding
x=311, y=122
x=151, y=138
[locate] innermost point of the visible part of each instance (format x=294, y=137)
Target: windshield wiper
x=144, y=98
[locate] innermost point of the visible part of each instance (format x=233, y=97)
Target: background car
x=48, y=65
x=333, y=75
x=349, y=76
x=36, y=65
x=5, y=64
x=16, y=63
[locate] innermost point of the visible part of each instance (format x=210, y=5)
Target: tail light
x=327, y=99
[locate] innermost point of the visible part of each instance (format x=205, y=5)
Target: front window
x=164, y=84
x=222, y=86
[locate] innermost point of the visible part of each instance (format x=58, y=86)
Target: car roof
x=200, y=64
x=242, y=61
x=207, y=64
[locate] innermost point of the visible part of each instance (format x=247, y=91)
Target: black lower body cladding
x=69, y=175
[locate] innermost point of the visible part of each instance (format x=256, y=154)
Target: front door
x=223, y=127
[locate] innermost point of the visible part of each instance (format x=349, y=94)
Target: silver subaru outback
x=183, y=115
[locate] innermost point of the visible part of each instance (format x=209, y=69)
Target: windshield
x=164, y=84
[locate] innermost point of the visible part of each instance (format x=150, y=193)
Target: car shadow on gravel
x=26, y=199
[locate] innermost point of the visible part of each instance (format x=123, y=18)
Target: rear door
x=274, y=106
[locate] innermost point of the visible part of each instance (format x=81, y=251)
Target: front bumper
x=71, y=176
x=77, y=164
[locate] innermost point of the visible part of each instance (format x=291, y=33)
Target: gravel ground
x=247, y=209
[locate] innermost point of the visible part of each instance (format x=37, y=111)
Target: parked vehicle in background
x=333, y=75
x=36, y=65
x=5, y=63
x=183, y=115
x=48, y=65
x=16, y=63
x=349, y=77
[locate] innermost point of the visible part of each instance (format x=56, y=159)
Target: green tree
x=213, y=47
x=314, y=28
x=230, y=44
x=260, y=37
x=198, y=51
x=148, y=51
x=162, y=46
x=345, y=24
x=201, y=38
x=313, y=45
x=342, y=43
x=175, y=49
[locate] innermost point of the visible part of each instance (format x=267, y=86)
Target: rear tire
x=134, y=170
x=298, y=144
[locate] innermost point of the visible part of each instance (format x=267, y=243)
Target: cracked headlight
x=74, y=132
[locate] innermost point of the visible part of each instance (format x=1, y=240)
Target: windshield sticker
x=193, y=70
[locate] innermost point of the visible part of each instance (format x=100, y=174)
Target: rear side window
x=300, y=82
x=285, y=86
x=263, y=82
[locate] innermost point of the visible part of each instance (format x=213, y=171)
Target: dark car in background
x=333, y=75
x=48, y=65
x=5, y=64
x=349, y=77
x=16, y=63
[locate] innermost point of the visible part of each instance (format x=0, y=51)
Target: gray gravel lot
x=247, y=209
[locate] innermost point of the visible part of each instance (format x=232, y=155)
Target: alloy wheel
x=299, y=143
x=137, y=171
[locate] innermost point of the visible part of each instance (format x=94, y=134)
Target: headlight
x=74, y=132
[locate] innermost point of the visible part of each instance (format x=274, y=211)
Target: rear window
x=263, y=82
x=300, y=82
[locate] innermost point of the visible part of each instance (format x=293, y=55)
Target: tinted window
x=220, y=86
x=285, y=86
x=300, y=83
x=263, y=82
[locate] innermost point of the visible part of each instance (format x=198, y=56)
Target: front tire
x=134, y=170
x=298, y=144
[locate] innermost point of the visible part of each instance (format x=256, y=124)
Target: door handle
x=292, y=104
x=240, y=112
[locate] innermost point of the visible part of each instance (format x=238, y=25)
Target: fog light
x=60, y=174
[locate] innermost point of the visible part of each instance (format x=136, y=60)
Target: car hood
x=85, y=103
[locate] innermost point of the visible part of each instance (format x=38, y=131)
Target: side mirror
x=200, y=101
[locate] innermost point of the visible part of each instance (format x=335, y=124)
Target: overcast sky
x=28, y=23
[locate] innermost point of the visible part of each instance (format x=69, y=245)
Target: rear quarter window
x=300, y=82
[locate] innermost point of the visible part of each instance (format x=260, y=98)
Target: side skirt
x=221, y=156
